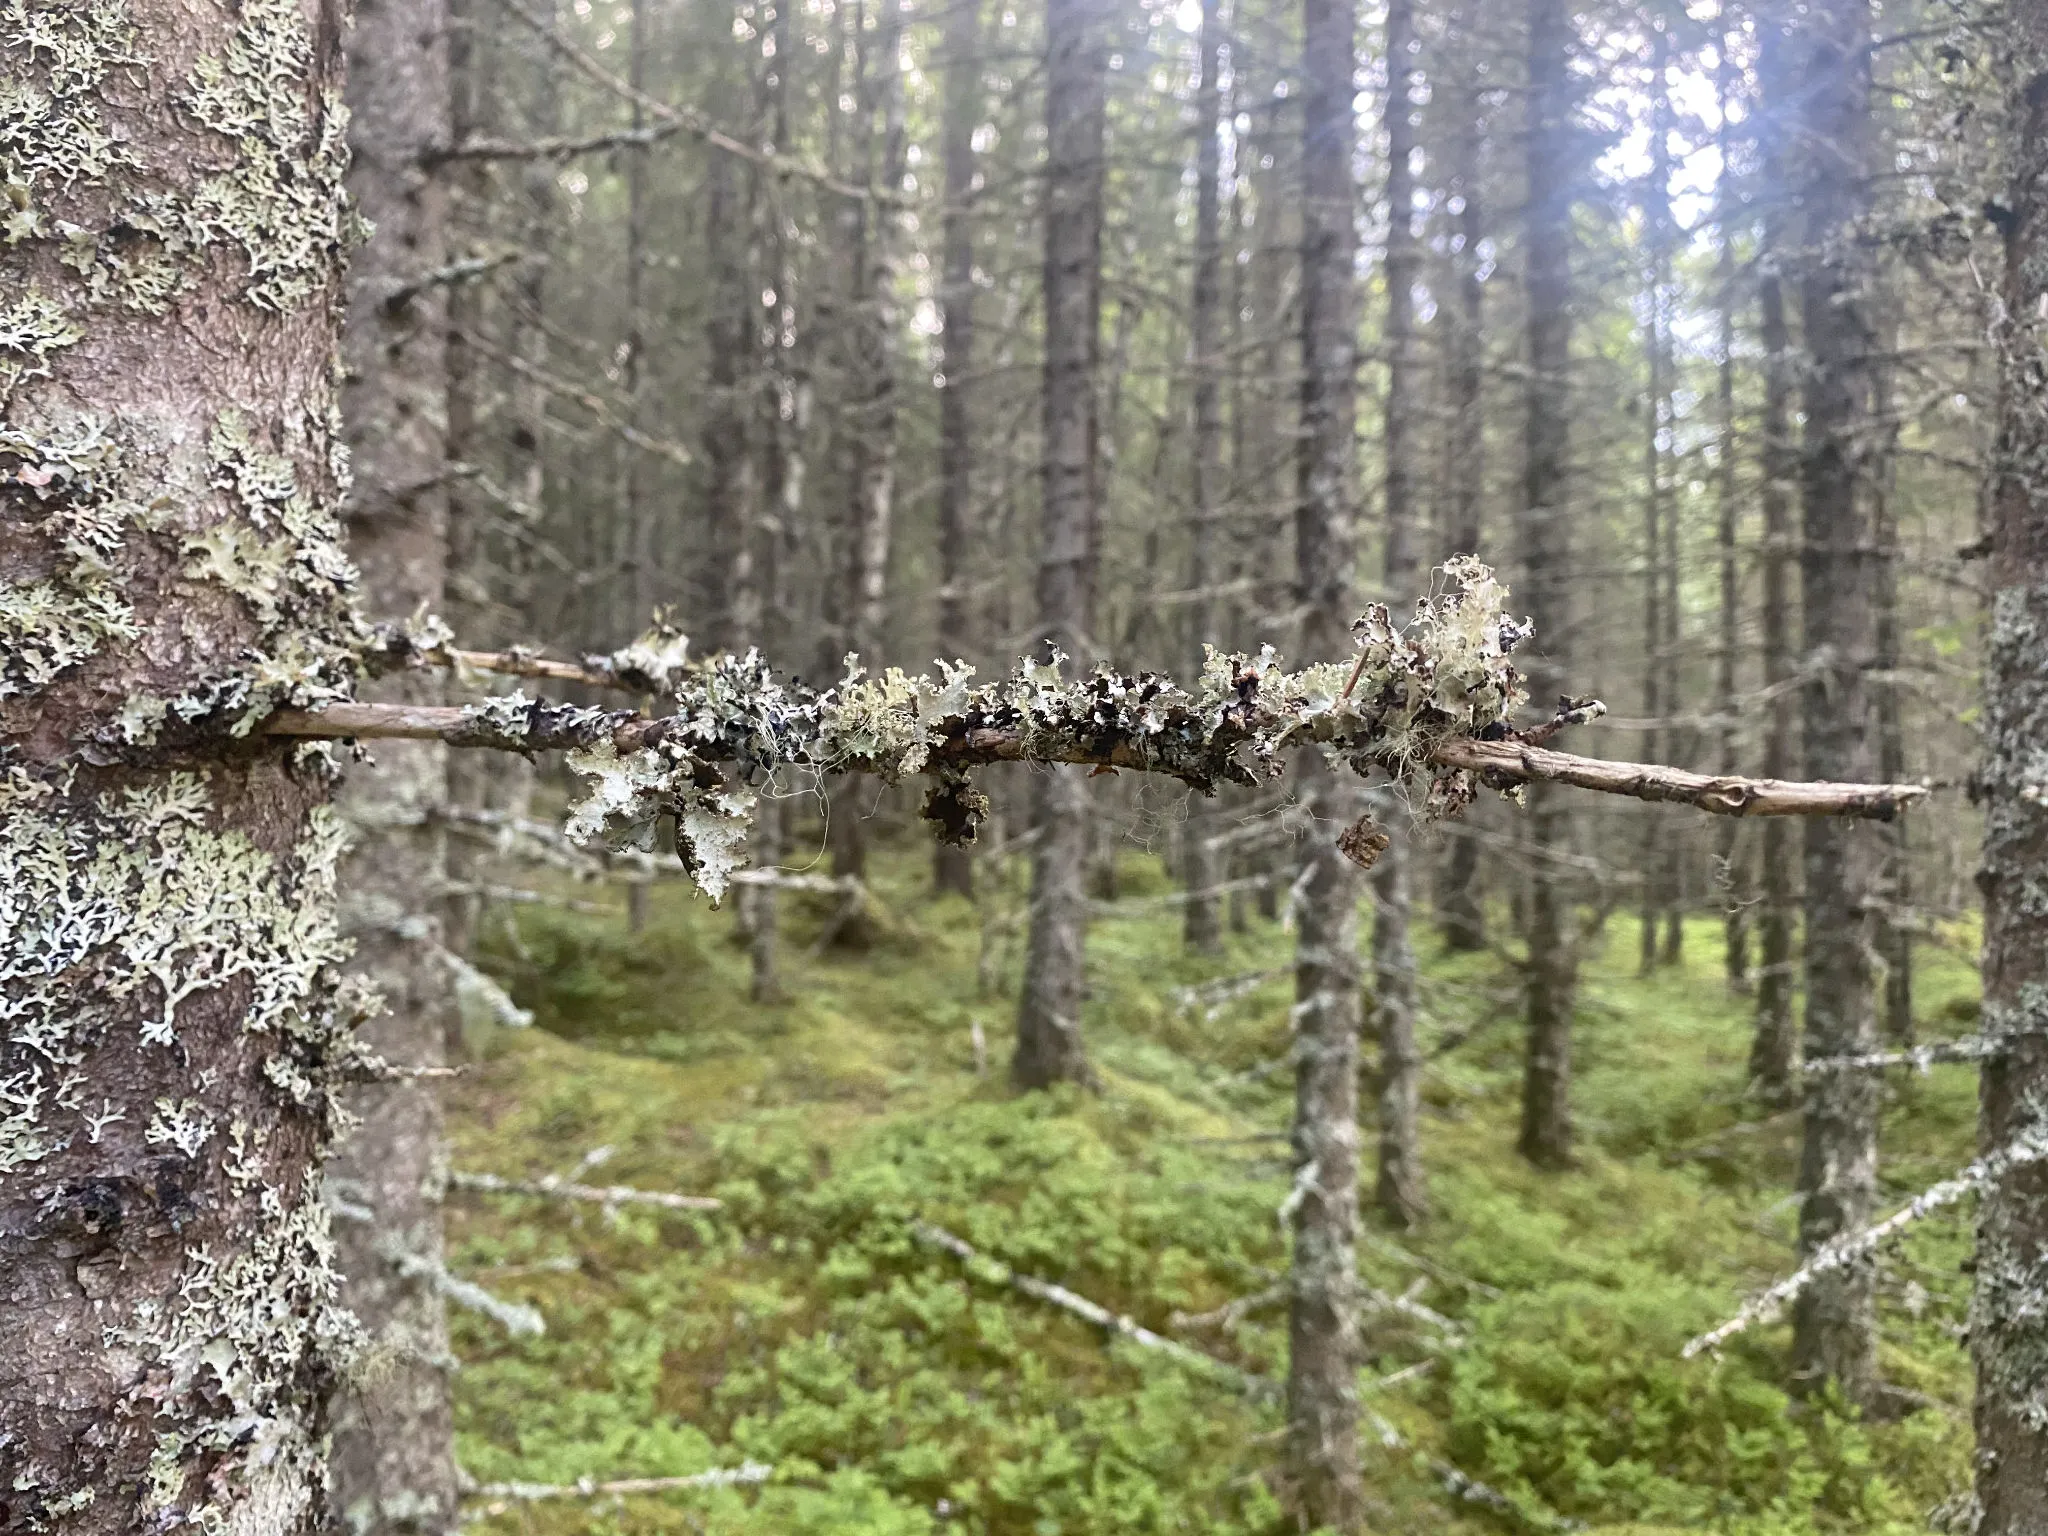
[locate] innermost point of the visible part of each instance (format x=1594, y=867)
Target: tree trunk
x=871, y=328
x=1202, y=928
x=1399, y=1191
x=1727, y=509
x=1076, y=119
x=1546, y=1137
x=1893, y=920
x=1835, y=1321
x=1656, y=859
x=1774, y=1049
x=1322, y=1359
x=2008, y=1322
x=953, y=866
x=168, y=933
x=1460, y=910
x=394, y=1455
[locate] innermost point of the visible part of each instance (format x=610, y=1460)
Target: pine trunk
x=1202, y=927
x=1774, y=1049
x=1835, y=1319
x=169, y=942
x=1733, y=877
x=1461, y=912
x=394, y=1455
x=2009, y=1317
x=1076, y=111
x=1546, y=1136
x=1399, y=1190
x=1322, y=1361
x=952, y=866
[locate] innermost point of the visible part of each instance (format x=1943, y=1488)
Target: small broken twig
x=553, y=1188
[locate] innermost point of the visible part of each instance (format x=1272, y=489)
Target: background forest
x=660, y=869
x=758, y=317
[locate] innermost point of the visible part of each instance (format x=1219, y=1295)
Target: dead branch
x=1500, y=763
x=553, y=1188
x=689, y=120
x=589, y=1488
x=1100, y=1316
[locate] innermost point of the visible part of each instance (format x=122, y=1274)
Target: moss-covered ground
x=895, y=1389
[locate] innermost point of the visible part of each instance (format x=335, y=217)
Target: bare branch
x=589, y=1488
x=1502, y=763
x=690, y=121
x=566, y=148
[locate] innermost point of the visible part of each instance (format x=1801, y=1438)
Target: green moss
x=803, y=1327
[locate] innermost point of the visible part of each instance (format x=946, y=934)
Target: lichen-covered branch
x=1429, y=701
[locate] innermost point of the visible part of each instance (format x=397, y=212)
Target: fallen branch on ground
x=1841, y=1252
x=1919, y=1057
x=553, y=1188
x=1100, y=1316
x=590, y=1488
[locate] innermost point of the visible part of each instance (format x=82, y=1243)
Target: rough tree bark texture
x=1076, y=111
x=1460, y=912
x=1546, y=1137
x=1834, y=1325
x=952, y=866
x=394, y=1459
x=1399, y=1191
x=172, y=465
x=1775, y=1047
x=1202, y=927
x=2009, y=1316
x=1322, y=1357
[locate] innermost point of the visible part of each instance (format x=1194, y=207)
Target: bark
x=634, y=531
x=1775, y=1046
x=871, y=356
x=1546, y=1135
x=1734, y=877
x=1835, y=1322
x=1655, y=859
x=732, y=361
x=1399, y=1191
x=169, y=946
x=1076, y=112
x=394, y=1455
x=1322, y=1390
x=1460, y=910
x=1893, y=921
x=782, y=435
x=952, y=866
x=1203, y=867
x=2008, y=1318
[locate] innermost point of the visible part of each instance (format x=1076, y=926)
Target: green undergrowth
x=895, y=1389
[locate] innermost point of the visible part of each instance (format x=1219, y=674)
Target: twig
x=688, y=119
x=1100, y=1316
x=468, y=269
x=515, y=1317
x=1510, y=763
x=1840, y=1252
x=1231, y=1313
x=553, y=1188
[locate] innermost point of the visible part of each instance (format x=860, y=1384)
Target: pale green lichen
x=1446, y=674
x=119, y=910
x=283, y=202
x=52, y=132
x=33, y=329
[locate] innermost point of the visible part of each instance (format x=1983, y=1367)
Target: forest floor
x=1528, y=1337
